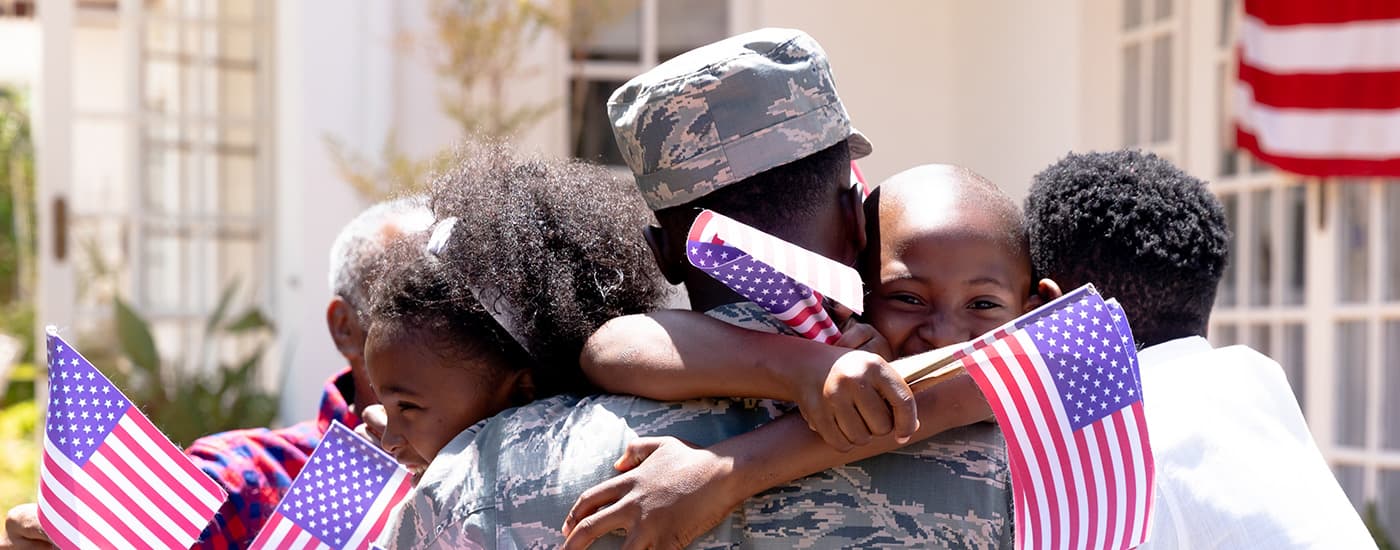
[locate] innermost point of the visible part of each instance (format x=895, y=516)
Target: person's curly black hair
x=1137, y=227
x=553, y=245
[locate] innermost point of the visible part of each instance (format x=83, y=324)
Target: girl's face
x=429, y=397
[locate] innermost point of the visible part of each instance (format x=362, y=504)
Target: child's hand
x=858, y=397
x=670, y=493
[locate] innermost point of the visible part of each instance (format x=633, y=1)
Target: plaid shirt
x=257, y=465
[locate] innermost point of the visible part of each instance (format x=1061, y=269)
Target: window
x=1150, y=65
x=169, y=161
x=1314, y=283
x=623, y=45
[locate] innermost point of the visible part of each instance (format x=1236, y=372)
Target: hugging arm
x=671, y=492
x=848, y=396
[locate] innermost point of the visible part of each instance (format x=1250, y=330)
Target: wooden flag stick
x=930, y=367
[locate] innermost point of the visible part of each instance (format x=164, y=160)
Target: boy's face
x=945, y=277
x=429, y=398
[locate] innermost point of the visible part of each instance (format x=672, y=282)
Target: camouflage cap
x=723, y=112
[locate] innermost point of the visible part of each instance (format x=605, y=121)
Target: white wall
x=892, y=62
x=323, y=88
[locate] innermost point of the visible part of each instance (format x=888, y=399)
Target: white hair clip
x=442, y=231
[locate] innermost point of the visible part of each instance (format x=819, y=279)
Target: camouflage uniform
x=509, y=482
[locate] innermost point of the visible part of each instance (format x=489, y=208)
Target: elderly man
x=751, y=127
x=256, y=466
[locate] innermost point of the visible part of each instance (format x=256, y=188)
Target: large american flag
x=109, y=478
x=1063, y=384
x=785, y=279
x=341, y=499
x=1319, y=86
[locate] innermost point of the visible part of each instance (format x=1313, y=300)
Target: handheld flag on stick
x=786, y=279
x=341, y=499
x=1064, y=386
x=109, y=479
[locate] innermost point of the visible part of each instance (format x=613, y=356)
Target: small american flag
x=109, y=478
x=785, y=279
x=1063, y=383
x=341, y=499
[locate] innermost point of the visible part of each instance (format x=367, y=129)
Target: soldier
x=751, y=127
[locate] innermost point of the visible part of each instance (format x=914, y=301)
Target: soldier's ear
x=669, y=259
x=853, y=215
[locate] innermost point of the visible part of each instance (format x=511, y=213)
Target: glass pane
x=99, y=83
x=99, y=167
x=237, y=185
x=590, y=131
x=165, y=168
x=1392, y=240
x=685, y=24
x=1132, y=13
x=1161, y=89
x=1390, y=389
x=237, y=93
x=1389, y=505
x=606, y=31
x=1350, y=421
x=1131, y=95
x=1164, y=9
x=1229, y=156
x=1292, y=357
x=1351, y=479
x=1227, y=19
x=1295, y=245
x=1353, y=235
x=1225, y=335
x=162, y=86
x=238, y=10
x=1261, y=338
x=1229, y=288
x=237, y=47
x=238, y=260
x=166, y=253
x=1261, y=251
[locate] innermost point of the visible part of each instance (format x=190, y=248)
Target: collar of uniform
x=1172, y=350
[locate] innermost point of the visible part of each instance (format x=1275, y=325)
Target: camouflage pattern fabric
x=508, y=482
x=720, y=113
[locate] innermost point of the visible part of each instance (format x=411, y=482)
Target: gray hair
x=361, y=243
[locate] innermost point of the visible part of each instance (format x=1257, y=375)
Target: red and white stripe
x=857, y=178
x=823, y=275
x=1086, y=489
x=282, y=534
x=808, y=318
x=137, y=491
x=1319, y=86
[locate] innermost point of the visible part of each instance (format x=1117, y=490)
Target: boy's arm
x=684, y=491
x=847, y=396
x=673, y=355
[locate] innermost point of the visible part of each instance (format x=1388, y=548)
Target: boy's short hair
x=551, y=243
x=1139, y=229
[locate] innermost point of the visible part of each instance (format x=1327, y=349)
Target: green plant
x=182, y=397
x=1375, y=524
x=19, y=453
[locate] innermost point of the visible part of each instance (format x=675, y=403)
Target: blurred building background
x=188, y=147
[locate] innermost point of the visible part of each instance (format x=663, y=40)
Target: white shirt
x=1236, y=464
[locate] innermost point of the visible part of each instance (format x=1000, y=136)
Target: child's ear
x=1045, y=291
x=346, y=331
x=671, y=266
x=523, y=388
